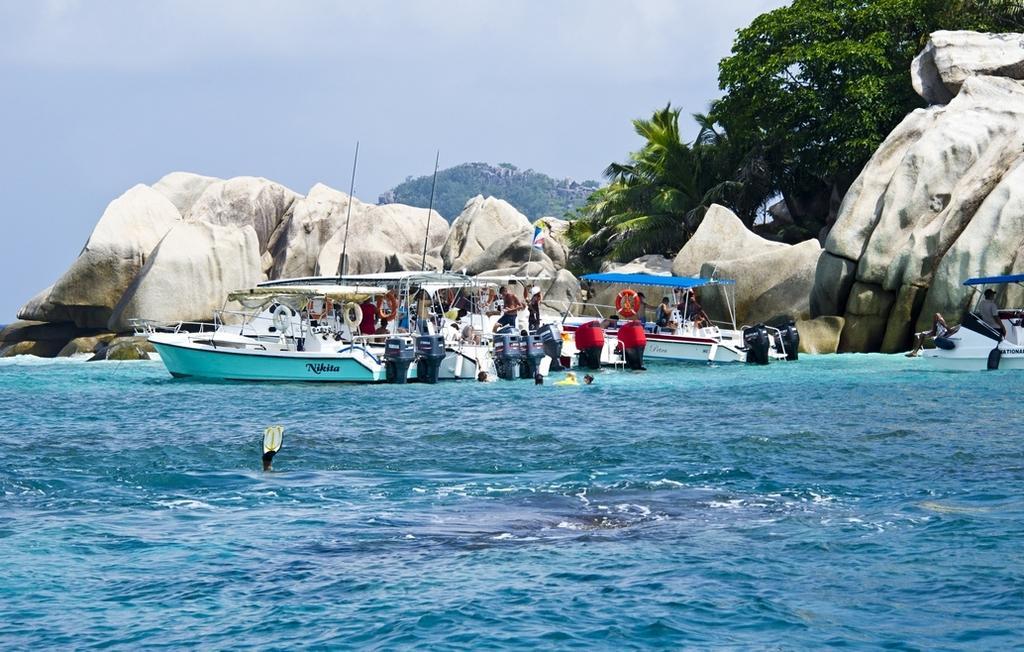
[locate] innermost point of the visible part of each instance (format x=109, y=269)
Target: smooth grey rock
x=480, y=223
x=952, y=57
x=245, y=201
x=774, y=284
x=821, y=334
x=183, y=188
x=833, y=279
x=380, y=232
x=720, y=236
x=190, y=274
x=116, y=251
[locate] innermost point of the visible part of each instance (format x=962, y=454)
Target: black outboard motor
x=507, y=355
x=399, y=353
x=429, y=354
x=533, y=353
x=758, y=342
x=790, y=339
x=551, y=338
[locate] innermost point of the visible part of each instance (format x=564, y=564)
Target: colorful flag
x=538, y=237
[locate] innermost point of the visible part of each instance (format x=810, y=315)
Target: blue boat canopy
x=660, y=281
x=990, y=280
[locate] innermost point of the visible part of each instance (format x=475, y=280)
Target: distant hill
x=532, y=193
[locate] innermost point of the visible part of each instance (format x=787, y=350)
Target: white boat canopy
x=256, y=295
x=660, y=281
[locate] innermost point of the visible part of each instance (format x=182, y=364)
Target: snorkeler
x=272, y=439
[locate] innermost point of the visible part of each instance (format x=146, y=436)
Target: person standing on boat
x=533, y=308
x=511, y=305
x=641, y=313
x=989, y=311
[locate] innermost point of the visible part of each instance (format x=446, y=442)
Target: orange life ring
x=627, y=303
x=387, y=307
x=314, y=314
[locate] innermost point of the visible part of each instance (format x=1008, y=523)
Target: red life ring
x=387, y=307
x=627, y=303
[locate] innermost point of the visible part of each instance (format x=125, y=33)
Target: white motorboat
x=686, y=338
x=976, y=345
x=314, y=329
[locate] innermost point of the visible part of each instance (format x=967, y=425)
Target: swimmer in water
x=588, y=380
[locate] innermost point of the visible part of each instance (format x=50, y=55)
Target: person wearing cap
x=989, y=311
x=533, y=308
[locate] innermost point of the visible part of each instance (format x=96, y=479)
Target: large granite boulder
x=116, y=251
x=183, y=188
x=820, y=335
x=936, y=204
x=480, y=223
x=951, y=57
x=314, y=220
x=190, y=274
x=245, y=201
x=510, y=250
x=772, y=285
x=653, y=264
x=385, y=235
x=720, y=236
x=37, y=331
x=85, y=345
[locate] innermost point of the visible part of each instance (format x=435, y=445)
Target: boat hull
x=187, y=360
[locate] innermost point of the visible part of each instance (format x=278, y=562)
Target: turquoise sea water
x=842, y=501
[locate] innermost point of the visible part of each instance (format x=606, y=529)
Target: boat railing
x=150, y=326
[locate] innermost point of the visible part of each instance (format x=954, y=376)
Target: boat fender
x=627, y=303
x=994, y=356
x=387, y=308
x=353, y=314
x=283, y=320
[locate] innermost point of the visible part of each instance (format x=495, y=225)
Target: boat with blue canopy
x=677, y=331
x=987, y=337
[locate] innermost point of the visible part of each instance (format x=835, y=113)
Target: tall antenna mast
x=343, y=263
x=426, y=236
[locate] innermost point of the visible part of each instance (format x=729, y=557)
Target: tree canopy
x=810, y=92
x=813, y=88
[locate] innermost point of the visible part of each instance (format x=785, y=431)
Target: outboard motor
x=758, y=342
x=633, y=339
x=790, y=339
x=590, y=343
x=551, y=337
x=533, y=353
x=429, y=354
x=507, y=355
x=399, y=353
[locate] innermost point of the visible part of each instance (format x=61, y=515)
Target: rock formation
x=190, y=273
x=481, y=222
x=951, y=57
x=773, y=280
x=939, y=201
x=116, y=251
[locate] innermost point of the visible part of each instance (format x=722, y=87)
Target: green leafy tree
x=812, y=89
x=653, y=203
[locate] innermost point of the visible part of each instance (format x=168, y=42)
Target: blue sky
x=99, y=95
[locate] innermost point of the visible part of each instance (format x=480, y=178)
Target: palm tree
x=655, y=201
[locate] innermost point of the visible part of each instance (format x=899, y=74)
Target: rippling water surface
x=855, y=501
